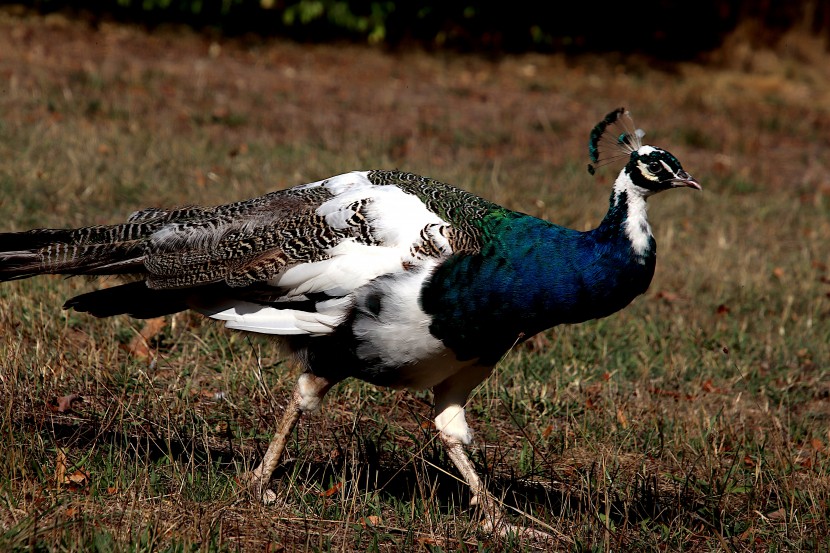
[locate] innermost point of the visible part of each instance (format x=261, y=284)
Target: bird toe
x=252, y=483
x=269, y=497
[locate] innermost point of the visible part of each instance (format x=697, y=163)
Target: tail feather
x=12, y=242
x=66, y=252
x=115, y=249
x=97, y=250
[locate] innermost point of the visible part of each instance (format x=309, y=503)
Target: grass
x=694, y=420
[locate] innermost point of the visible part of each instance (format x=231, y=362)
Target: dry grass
x=696, y=420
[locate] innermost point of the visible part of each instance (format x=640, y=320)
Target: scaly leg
x=493, y=514
x=307, y=396
x=450, y=397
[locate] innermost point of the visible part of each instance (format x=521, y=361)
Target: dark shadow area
x=669, y=30
x=364, y=461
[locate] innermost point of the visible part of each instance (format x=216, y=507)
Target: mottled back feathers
x=318, y=241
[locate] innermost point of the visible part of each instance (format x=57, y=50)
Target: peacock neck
x=628, y=217
x=531, y=274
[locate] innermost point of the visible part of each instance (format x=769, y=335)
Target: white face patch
x=636, y=226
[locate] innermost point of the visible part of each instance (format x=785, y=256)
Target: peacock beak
x=685, y=179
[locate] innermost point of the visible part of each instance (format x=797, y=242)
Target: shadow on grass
x=364, y=460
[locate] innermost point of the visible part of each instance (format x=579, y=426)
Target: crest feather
x=613, y=138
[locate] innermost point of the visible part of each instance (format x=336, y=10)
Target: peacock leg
x=493, y=514
x=307, y=396
x=450, y=397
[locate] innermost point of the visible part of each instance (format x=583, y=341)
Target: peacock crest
x=613, y=138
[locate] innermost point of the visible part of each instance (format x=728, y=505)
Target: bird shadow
x=365, y=460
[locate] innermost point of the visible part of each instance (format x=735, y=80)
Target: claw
x=269, y=497
x=505, y=530
x=252, y=482
x=494, y=522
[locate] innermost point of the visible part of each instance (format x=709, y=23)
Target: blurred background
x=662, y=28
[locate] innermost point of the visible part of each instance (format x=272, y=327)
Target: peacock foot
x=495, y=522
x=253, y=483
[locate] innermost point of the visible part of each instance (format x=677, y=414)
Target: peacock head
x=650, y=169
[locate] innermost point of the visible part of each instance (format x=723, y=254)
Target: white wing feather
x=264, y=319
x=398, y=223
x=350, y=266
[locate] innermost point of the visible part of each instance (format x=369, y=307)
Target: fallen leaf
x=547, y=431
x=778, y=272
x=668, y=297
x=371, y=520
x=331, y=491
x=778, y=515
x=78, y=478
x=594, y=389
x=722, y=309
x=817, y=445
x=671, y=393
x=75, y=480
x=65, y=403
x=241, y=149
x=806, y=462
x=139, y=346
x=621, y=418
x=60, y=467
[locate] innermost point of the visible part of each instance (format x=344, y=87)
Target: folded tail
x=86, y=251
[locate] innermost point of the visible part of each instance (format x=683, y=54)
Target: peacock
x=386, y=276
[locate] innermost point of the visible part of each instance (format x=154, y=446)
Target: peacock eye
x=655, y=166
